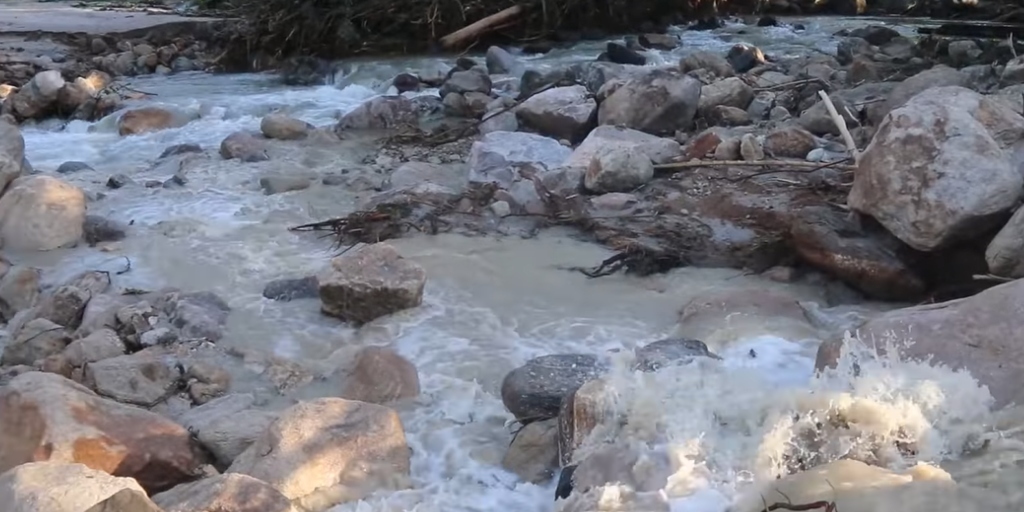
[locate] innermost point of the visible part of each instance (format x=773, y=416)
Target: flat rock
x=560, y=112
x=227, y=426
x=224, y=493
x=60, y=487
x=370, y=282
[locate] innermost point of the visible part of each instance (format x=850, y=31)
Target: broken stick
x=792, y=164
x=851, y=146
x=481, y=27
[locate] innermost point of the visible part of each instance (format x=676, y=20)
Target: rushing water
x=490, y=303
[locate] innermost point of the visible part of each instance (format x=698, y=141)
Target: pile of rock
x=48, y=94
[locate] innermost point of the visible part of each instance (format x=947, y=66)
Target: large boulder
x=328, y=451
x=535, y=390
x=244, y=146
x=44, y=416
x=938, y=76
x=282, y=127
x=370, y=282
x=12, y=153
x=382, y=112
x=658, y=102
x=621, y=170
x=607, y=139
x=142, y=378
x=150, y=119
x=492, y=158
x=978, y=334
x=38, y=97
x=41, y=213
x=562, y=112
x=939, y=169
x=224, y=493
x=59, y=487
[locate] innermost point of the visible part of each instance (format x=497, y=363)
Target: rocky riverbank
x=118, y=399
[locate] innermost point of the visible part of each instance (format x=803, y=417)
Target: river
x=491, y=303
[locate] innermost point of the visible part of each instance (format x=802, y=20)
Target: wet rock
x=60, y=487
x=750, y=147
x=144, y=378
x=97, y=229
x=360, y=447
x=789, y=142
x=41, y=213
x=227, y=426
x=36, y=98
x=243, y=146
x=561, y=112
x=581, y=412
x=533, y=454
x=224, y=493
x=72, y=166
x=501, y=62
x=866, y=261
x=279, y=184
x=65, y=306
x=731, y=92
x=471, y=80
x=405, y=82
x=198, y=315
x=118, y=181
x=619, y=170
x=126, y=500
x=180, y=149
x=379, y=375
x=620, y=54
x=658, y=102
x=670, y=352
x=97, y=346
x=730, y=315
x=282, y=127
x=728, y=116
x=382, y=112
x=19, y=290
x=370, y=282
x=46, y=417
x=535, y=390
x=492, y=158
x=659, y=41
x=946, y=144
x=877, y=35
x=207, y=381
x=710, y=61
x=37, y=340
x=12, y=153
x=291, y=289
x=149, y=119
x=938, y=76
x=744, y=57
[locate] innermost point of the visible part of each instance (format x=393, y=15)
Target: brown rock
x=126, y=500
x=60, y=487
x=743, y=312
x=369, y=283
x=37, y=340
x=19, y=290
x=978, y=334
x=789, y=142
x=243, y=146
x=359, y=448
x=380, y=375
x=701, y=146
x=44, y=416
x=282, y=127
x=583, y=411
x=148, y=119
x=533, y=454
x=224, y=493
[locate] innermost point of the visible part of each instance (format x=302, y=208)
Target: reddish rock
x=701, y=146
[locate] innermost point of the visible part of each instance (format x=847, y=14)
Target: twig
x=793, y=164
x=828, y=506
x=794, y=83
x=126, y=269
x=841, y=125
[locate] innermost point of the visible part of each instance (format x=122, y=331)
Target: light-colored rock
x=370, y=282
x=410, y=174
x=750, y=147
x=231, y=492
x=470, y=80
x=357, y=448
x=382, y=112
x=12, y=153
x=533, y=454
x=228, y=425
x=938, y=76
x=658, y=102
x=587, y=407
x=937, y=170
x=149, y=119
x=97, y=346
x=37, y=340
x=39, y=95
x=1005, y=253
x=19, y=290
x=44, y=416
x=58, y=487
x=711, y=61
x=622, y=170
x=282, y=127
x=379, y=375
x=282, y=183
x=606, y=139
x=731, y=92
x=41, y=213
x=494, y=156
x=243, y=146
x=126, y=500
x=142, y=378
x=561, y=112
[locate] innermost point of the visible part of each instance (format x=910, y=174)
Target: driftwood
x=840, y=123
x=460, y=38
x=795, y=165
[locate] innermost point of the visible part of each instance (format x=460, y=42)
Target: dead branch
x=827, y=506
x=851, y=146
x=792, y=84
x=482, y=27
x=794, y=165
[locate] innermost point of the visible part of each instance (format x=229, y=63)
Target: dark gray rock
x=619, y=54
x=291, y=289
x=118, y=180
x=535, y=390
x=670, y=352
x=181, y=149
x=98, y=229
x=73, y=166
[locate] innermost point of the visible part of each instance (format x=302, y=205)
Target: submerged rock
x=291, y=289
x=670, y=352
x=370, y=282
x=533, y=454
x=379, y=375
x=535, y=390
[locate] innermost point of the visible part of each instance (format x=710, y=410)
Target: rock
x=658, y=102
x=533, y=454
x=605, y=139
x=659, y=41
x=710, y=61
x=282, y=127
x=360, y=448
x=206, y=381
x=291, y=289
x=19, y=290
x=36, y=98
x=224, y=493
x=118, y=181
x=72, y=166
x=144, y=378
x=938, y=76
x=728, y=149
x=862, y=70
x=37, y=340
x=64, y=306
x=728, y=116
x=1005, y=253
x=582, y=410
x=97, y=346
x=126, y=500
x=410, y=174
x=750, y=147
x=877, y=35
x=471, y=80
x=789, y=142
x=561, y=112
x=382, y=112
x=535, y=390
x=60, y=487
x=181, y=149
x=46, y=417
x=744, y=57
x=727, y=316
x=619, y=54
x=492, y=158
x=864, y=260
x=380, y=375
x=963, y=52
x=501, y=62
x=97, y=229
x=370, y=282
x=243, y=146
x=493, y=121
x=405, y=82
x=279, y=184
x=149, y=119
x=12, y=153
x=197, y=314
x=670, y=352
x=614, y=201
x=976, y=334
x=227, y=426
x=731, y=92
x=41, y=213
x=947, y=147
x=621, y=170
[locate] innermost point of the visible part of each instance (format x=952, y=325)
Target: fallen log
x=460, y=37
